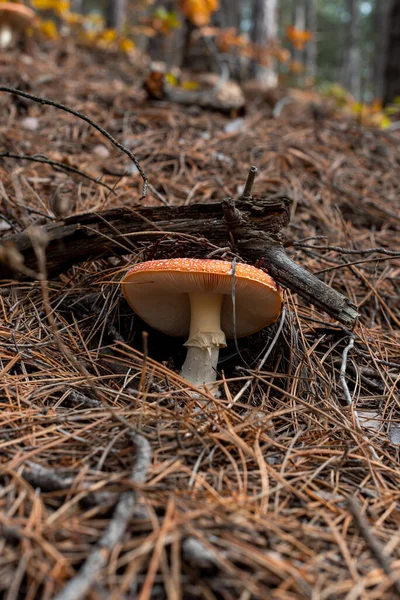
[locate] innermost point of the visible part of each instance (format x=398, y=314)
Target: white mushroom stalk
x=205, y=339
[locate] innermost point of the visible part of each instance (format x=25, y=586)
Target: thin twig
x=264, y=358
x=342, y=374
x=80, y=585
x=84, y=117
x=56, y=164
x=76, y=398
x=250, y=182
x=198, y=556
x=233, y=297
x=39, y=242
x=347, y=395
x=380, y=250
x=158, y=195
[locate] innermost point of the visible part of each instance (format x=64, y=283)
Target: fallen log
x=215, y=93
x=251, y=226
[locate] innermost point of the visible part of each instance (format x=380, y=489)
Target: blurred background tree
x=264, y=33
x=351, y=76
x=115, y=14
x=391, y=51
x=381, y=35
x=303, y=43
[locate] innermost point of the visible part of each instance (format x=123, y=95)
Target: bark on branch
x=254, y=243
x=252, y=226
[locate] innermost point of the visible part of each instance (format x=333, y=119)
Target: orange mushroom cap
x=16, y=16
x=158, y=291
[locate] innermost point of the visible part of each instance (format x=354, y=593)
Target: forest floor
x=285, y=487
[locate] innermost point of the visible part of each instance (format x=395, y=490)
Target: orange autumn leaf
x=296, y=67
x=282, y=55
x=298, y=37
x=376, y=105
x=228, y=38
x=213, y=5
x=126, y=45
x=199, y=11
x=264, y=57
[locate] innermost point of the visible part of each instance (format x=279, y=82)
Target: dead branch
x=340, y=250
x=229, y=98
x=253, y=224
x=216, y=92
x=254, y=242
x=78, y=587
x=98, y=235
x=48, y=480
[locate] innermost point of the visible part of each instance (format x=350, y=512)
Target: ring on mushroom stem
x=193, y=298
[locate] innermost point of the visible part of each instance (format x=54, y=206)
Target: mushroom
x=193, y=297
x=14, y=18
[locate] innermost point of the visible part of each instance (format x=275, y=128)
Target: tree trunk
x=299, y=22
x=392, y=63
x=115, y=14
x=311, y=48
x=352, y=55
x=229, y=14
x=381, y=27
x=265, y=25
x=166, y=48
x=264, y=33
x=76, y=6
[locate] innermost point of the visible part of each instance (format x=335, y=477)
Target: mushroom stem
x=200, y=365
x=205, y=338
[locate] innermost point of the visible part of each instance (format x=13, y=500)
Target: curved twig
x=56, y=164
x=82, y=116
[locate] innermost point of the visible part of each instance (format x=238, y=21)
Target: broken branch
x=254, y=226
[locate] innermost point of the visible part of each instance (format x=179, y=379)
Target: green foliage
x=336, y=92
x=168, y=18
